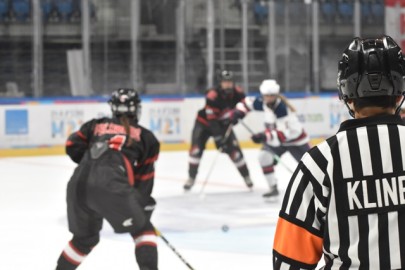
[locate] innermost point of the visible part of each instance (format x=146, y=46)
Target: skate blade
x=272, y=199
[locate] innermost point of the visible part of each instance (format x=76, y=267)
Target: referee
x=346, y=199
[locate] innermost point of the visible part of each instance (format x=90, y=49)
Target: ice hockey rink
x=34, y=223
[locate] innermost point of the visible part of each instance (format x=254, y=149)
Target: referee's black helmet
x=371, y=67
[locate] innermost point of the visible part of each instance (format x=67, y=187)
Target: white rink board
x=171, y=120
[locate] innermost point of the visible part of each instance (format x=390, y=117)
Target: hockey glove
x=236, y=115
x=259, y=137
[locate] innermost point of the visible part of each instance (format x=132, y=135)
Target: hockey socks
x=76, y=252
x=146, y=250
x=147, y=257
x=70, y=258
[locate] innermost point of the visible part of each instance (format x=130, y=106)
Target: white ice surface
x=33, y=225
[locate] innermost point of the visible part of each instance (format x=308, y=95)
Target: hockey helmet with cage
x=371, y=67
x=226, y=75
x=125, y=101
x=269, y=87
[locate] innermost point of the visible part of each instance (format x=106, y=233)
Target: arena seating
x=4, y=9
x=346, y=10
x=47, y=8
x=64, y=9
x=20, y=10
x=328, y=10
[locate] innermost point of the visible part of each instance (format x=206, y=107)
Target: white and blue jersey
x=282, y=127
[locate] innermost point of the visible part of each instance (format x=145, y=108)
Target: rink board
x=41, y=126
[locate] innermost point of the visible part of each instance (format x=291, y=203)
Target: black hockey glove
x=236, y=115
x=259, y=137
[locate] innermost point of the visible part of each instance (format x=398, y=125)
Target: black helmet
x=125, y=101
x=371, y=67
x=226, y=75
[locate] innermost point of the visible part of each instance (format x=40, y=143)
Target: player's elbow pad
x=75, y=153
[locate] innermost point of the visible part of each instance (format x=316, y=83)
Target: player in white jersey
x=346, y=199
x=283, y=130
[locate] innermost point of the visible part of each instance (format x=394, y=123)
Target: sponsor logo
x=65, y=122
x=16, y=122
x=127, y=222
x=165, y=122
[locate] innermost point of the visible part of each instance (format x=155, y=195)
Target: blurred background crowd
x=89, y=47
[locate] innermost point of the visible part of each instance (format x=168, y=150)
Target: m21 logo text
x=65, y=122
x=165, y=121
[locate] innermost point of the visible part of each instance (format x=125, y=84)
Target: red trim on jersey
x=268, y=169
x=150, y=160
x=281, y=136
x=81, y=135
x=145, y=177
x=202, y=121
x=238, y=89
x=130, y=171
x=212, y=94
x=69, y=143
x=117, y=142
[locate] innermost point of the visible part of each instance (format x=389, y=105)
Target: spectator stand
x=20, y=11
x=4, y=11
x=328, y=10
x=346, y=11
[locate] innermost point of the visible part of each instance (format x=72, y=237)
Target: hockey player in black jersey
x=113, y=181
x=346, y=199
x=213, y=121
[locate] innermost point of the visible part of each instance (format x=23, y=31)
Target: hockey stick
x=214, y=161
x=276, y=157
x=158, y=233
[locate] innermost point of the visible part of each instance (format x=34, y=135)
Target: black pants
x=201, y=134
x=99, y=189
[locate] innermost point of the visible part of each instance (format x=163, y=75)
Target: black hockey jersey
x=218, y=105
x=138, y=157
x=346, y=201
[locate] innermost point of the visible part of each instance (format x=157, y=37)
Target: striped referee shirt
x=346, y=201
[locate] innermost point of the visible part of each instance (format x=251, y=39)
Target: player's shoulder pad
x=212, y=94
x=239, y=89
x=87, y=126
x=148, y=135
x=281, y=110
x=258, y=104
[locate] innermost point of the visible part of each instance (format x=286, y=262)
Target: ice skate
x=272, y=195
x=248, y=181
x=189, y=184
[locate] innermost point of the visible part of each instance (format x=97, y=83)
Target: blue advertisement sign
x=16, y=122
